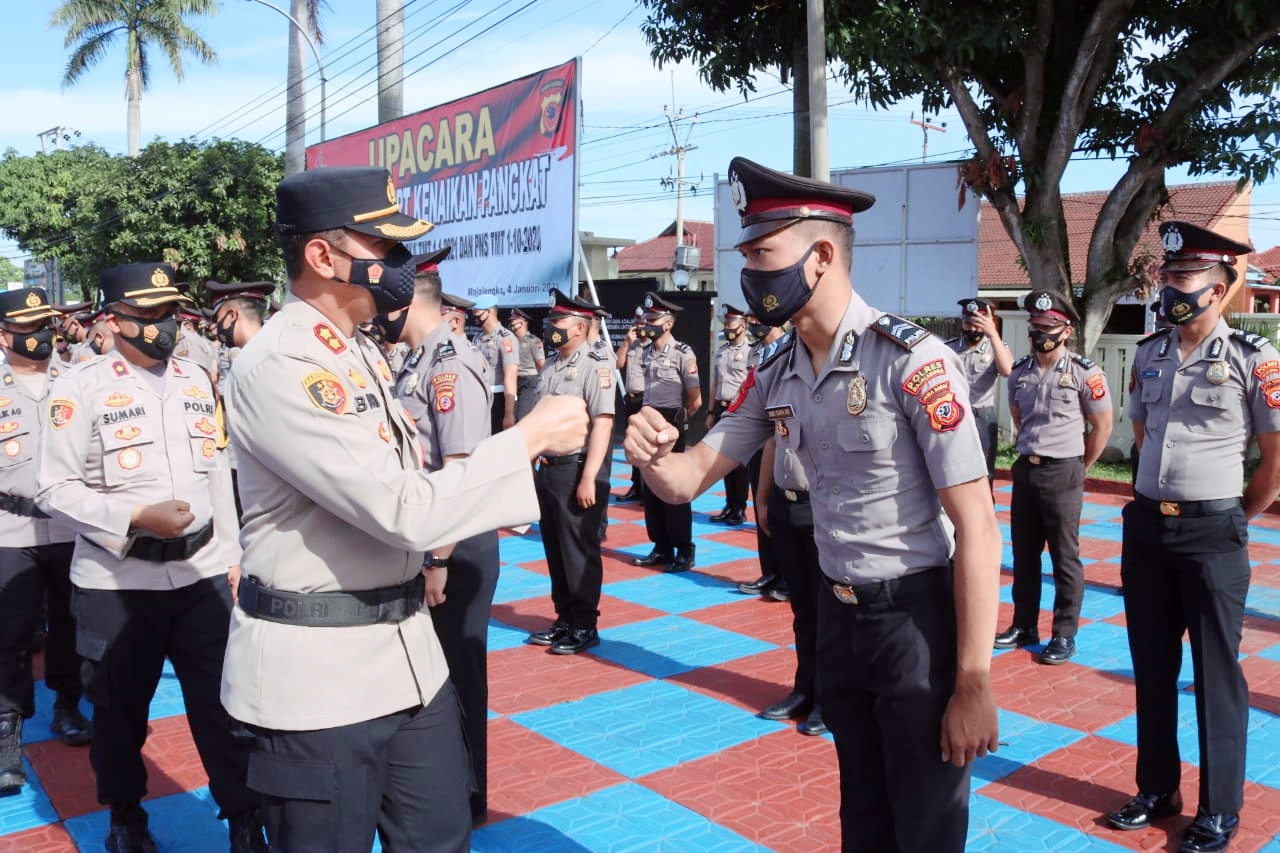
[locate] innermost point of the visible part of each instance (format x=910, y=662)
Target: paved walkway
x=650, y=741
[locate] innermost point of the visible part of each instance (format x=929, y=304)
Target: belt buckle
x=844, y=594
x=1170, y=508
x=791, y=495
x=1034, y=460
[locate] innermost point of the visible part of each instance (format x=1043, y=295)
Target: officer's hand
x=508, y=420
x=711, y=420
x=436, y=578
x=166, y=519
x=233, y=580
x=556, y=426
x=586, y=493
x=631, y=335
x=649, y=437
x=987, y=324
x=970, y=727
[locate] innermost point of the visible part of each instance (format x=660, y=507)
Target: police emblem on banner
x=550, y=106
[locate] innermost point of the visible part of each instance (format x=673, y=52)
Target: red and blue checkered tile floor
x=650, y=741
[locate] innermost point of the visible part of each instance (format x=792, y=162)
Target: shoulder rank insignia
x=597, y=355
x=327, y=336
x=904, y=333
x=848, y=347
x=1022, y=362
x=1082, y=361
x=1249, y=339
x=415, y=357
x=776, y=350
x=445, y=350
x=1156, y=335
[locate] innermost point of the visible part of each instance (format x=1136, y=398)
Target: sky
x=457, y=47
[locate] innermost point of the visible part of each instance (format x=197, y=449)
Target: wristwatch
x=435, y=563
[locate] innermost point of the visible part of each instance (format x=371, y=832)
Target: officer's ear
x=824, y=250
x=319, y=255
x=6, y=339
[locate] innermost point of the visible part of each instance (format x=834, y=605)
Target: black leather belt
x=795, y=496
x=570, y=459
x=21, y=506
x=170, y=550
x=1050, y=460
x=1175, y=509
x=389, y=604
x=869, y=592
x=632, y=396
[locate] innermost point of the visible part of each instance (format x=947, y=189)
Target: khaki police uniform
x=499, y=349
x=730, y=366
x=633, y=380
x=194, y=347
x=978, y=364
x=671, y=369
x=444, y=389
x=531, y=352
x=1048, y=481
x=1185, y=565
x=879, y=430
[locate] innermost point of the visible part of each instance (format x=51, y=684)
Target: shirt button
x=835, y=534
x=817, y=398
x=1170, y=444
x=823, y=445
x=835, y=489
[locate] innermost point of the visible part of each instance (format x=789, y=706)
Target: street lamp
x=314, y=52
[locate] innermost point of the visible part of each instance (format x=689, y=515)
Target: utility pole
x=678, y=149
x=816, y=32
x=57, y=136
x=926, y=125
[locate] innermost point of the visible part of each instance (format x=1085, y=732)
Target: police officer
x=129, y=458
x=532, y=357
x=1201, y=391
x=192, y=345
x=1053, y=394
x=729, y=369
x=633, y=362
x=444, y=388
x=672, y=388
x=771, y=584
x=501, y=350
x=880, y=422
x=573, y=489
x=331, y=661
x=984, y=357
x=35, y=552
x=71, y=325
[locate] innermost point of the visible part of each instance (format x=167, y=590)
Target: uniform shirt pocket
x=203, y=433
x=16, y=448
x=129, y=455
x=1216, y=409
x=1151, y=391
x=876, y=473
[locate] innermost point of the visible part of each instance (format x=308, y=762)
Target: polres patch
x=326, y=391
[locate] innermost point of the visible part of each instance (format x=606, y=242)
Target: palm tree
x=307, y=12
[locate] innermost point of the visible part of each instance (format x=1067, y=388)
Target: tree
x=1038, y=83
x=93, y=25
x=9, y=271
x=206, y=208
x=307, y=13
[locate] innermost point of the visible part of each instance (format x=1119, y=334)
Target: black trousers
x=764, y=544
x=526, y=395
x=1045, y=508
x=669, y=526
x=405, y=776
x=571, y=537
x=1190, y=575
x=632, y=403
x=792, y=527
x=462, y=624
x=738, y=482
x=497, y=411
x=989, y=434
x=27, y=575
x=124, y=636
x=888, y=669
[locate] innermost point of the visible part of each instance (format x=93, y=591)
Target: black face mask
x=776, y=295
x=391, y=329
x=759, y=330
x=1046, y=342
x=972, y=336
x=37, y=345
x=156, y=338
x=226, y=335
x=554, y=337
x=731, y=335
x=651, y=331
x=1179, y=307
x=389, y=279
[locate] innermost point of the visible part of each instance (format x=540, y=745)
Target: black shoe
x=558, y=631
x=759, y=585
x=735, y=517
x=12, y=774
x=655, y=558
x=247, y=833
x=777, y=593
x=721, y=516
x=69, y=724
x=1209, y=833
x=633, y=494
x=1144, y=808
x=1015, y=637
x=128, y=832
x=795, y=705
x=576, y=640
x=813, y=725
x=684, y=559
x=1059, y=650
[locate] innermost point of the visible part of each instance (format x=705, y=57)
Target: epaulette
x=1158, y=333
x=1022, y=361
x=776, y=350
x=597, y=355
x=444, y=350
x=682, y=346
x=951, y=341
x=904, y=333
x=1082, y=361
x=1249, y=339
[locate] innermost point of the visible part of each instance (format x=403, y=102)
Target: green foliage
x=9, y=271
x=92, y=27
x=206, y=208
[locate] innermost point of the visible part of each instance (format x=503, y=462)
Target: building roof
x=658, y=254
x=1268, y=261
x=1000, y=264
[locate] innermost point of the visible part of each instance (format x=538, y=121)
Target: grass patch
x=1116, y=471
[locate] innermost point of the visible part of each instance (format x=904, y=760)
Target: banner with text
x=495, y=173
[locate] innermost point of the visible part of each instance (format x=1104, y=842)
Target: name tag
x=1151, y=373
x=777, y=413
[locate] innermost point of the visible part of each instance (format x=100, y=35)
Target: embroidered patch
x=129, y=458
x=327, y=336
x=606, y=378
x=128, y=433
x=12, y=447
x=777, y=413
x=935, y=393
x=923, y=374
x=444, y=399
x=354, y=376
x=206, y=426
x=1271, y=390
x=692, y=370
x=61, y=412
x=1267, y=369
x=383, y=432
x=208, y=447
x=1097, y=385
x=117, y=400
x=196, y=392
x=747, y=384
x=5, y=401
x=384, y=370
x=780, y=429
x=945, y=413
x=119, y=369
x=9, y=427
x=506, y=344
x=326, y=391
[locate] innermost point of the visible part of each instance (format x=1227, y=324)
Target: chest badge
x=411, y=383
x=129, y=458
x=1067, y=380
x=856, y=399
x=1218, y=372
x=12, y=447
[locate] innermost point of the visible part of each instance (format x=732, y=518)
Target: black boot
x=68, y=723
x=684, y=559
x=12, y=776
x=247, y=833
x=128, y=832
